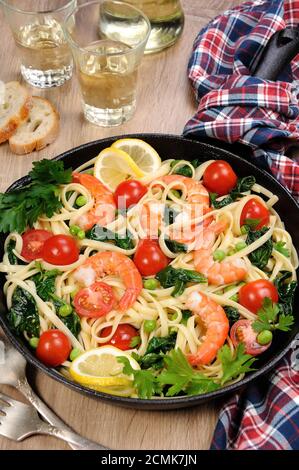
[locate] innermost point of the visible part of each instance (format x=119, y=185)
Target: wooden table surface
x=165, y=103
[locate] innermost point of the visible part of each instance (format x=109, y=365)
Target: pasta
x=191, y=223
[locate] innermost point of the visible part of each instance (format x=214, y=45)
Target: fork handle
x=68, y=436
x=57, y=427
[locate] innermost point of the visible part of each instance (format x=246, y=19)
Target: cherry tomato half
x=54, y=348
x=60, y=250
x=149, y=258
x=251, y=295
x=33, y=243
x=95, y=301
x=242, y=332
x=219, y=177
x=253, y=209
x=129, y=193
x=122, y=337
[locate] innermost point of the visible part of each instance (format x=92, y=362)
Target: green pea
x=176, y=193
x=34, y=342
x=240, y=246
x=74, y=229
x=150, y=325
x=231, y=252
x=244, y=229
x=219, y=255
x=74, y=293
x=150, y=284
x=81, y=235
x=174, y=316
x=76, y=352
x=89, y=172
x=235, y=298
x=81, y=201
x=264, y=337
x=65, y=310
x=135, y=341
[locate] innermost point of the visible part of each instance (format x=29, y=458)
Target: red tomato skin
x=54, y=348
x=33, y=243
x=122, y=336
x=98, y=294
x=60, y=250
x=129, y=193
x=252, y=294
x=253, y=209
x=242, y=332
x=149, y=258
x=219, y=177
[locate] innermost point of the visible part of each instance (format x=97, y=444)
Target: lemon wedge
x=113, y=166
x=143, y=154
x=99, y=369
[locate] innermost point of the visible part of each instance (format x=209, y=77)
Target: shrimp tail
x=128, y=299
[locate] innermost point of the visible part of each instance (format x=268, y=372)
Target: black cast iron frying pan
x=175, y=147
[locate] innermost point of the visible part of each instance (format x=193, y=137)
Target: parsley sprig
x=270, y=318
x=21, y=207
x=177, y=376
x=234, y=363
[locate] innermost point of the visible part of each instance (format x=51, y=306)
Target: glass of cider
x=108, y=40
x=46, y=59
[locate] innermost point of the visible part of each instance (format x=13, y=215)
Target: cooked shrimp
x=152, y=218
x=103, y=211
x=152, y=214
x=112, y=263
x=196, y=193
x=217, y=272
x=214, y=320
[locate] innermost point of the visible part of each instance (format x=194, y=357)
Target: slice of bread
x=14, y=109
x=39, y=129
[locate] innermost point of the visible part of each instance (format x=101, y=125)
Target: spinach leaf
x=185, y=170
x=23, y=315
x=156, y=349
x=11, y=256
x=178, y=278
x=72, y=321
x=286, y=292
x=45, y=283
x=102, y=234
x=232, y=314
x=261, y=255
x=176, y=247
x=243, y=185
x=169, y=215
x=186, y=314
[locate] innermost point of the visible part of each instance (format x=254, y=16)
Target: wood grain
x=165, y=103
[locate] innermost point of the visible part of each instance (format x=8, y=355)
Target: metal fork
x=18, y=421
x=13, y=372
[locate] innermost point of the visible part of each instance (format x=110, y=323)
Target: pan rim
x=154, y=403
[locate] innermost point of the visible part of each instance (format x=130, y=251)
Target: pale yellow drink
x=108, y=82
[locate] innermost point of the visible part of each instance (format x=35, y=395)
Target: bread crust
x=40, y=142
x=9, y=128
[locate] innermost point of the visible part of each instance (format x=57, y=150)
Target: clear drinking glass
x=167, y=22
x=107, y=39
x=37, y=29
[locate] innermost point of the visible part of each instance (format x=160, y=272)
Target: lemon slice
x=143, y=154
x=113, y=166
x=99, y=369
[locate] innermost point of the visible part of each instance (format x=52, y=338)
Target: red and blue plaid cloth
x=264, y=115
x=233, y=105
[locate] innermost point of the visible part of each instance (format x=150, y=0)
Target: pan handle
x=279, y=52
